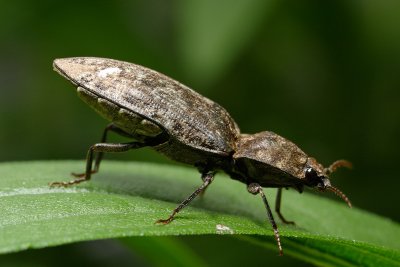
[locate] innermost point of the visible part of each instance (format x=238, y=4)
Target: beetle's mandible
x=159, y=112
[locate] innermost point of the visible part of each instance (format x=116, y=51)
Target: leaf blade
x=125, y=199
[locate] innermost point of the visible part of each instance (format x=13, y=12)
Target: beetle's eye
x=310, y=172
x=312, y=176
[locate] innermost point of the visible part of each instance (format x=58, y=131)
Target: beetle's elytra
x=159, y=112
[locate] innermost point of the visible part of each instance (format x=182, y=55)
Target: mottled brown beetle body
x=159, y=112
x=145, y=103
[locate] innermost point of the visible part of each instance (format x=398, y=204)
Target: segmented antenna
x=340, y=194
x=338, y=164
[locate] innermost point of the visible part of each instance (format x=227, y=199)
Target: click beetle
x=159, y=112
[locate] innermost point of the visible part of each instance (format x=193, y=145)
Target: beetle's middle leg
x=207, y=179
x=278, y=207
x=99, y=155
x=100, y=148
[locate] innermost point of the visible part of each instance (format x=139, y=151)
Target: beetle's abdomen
x=130, y=122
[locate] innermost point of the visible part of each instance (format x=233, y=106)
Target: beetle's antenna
x=338, y=164
x=340, y=194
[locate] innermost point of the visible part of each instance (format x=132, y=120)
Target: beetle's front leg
x=99, y=156
x=207, y=179
x=255, y=189
x=101, y=148
x=278, y=207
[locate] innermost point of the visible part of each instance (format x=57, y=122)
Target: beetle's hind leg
x=278, y=207
x=100, y=149
x=99, y=156
x=207, y=179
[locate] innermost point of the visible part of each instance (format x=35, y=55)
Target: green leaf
x=126, y=198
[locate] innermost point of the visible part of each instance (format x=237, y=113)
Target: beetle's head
x=318, y=177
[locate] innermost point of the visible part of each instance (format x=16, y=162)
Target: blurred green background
x=322, y=74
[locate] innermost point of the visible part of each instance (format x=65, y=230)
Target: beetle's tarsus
x=284, y=220
x=66, y=184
